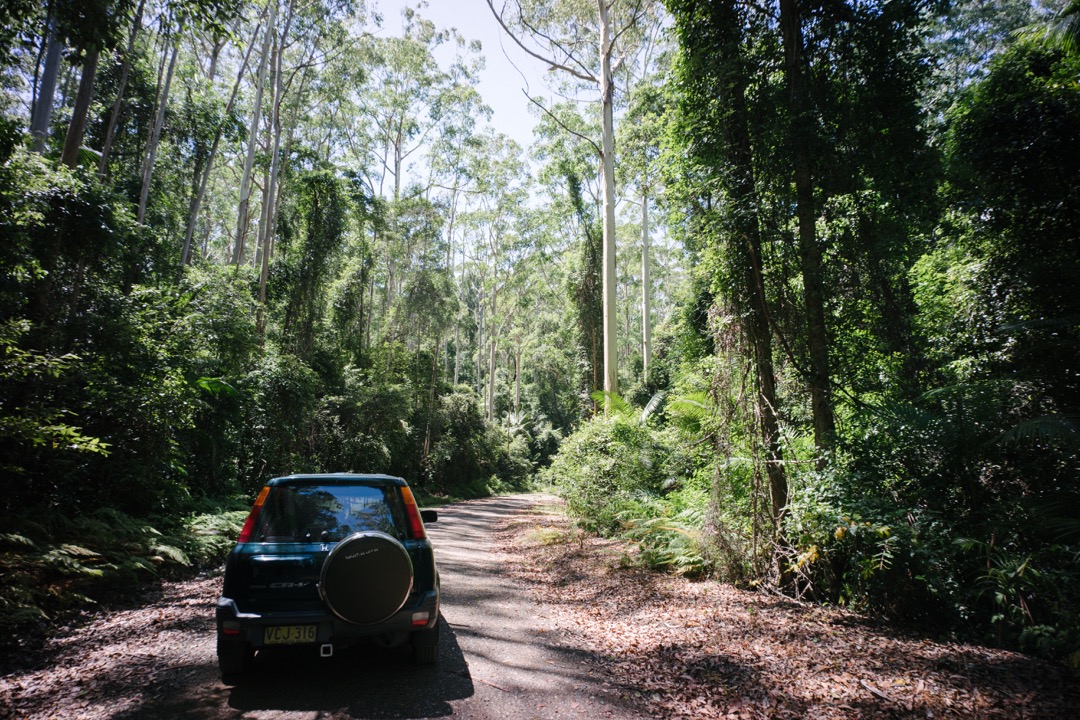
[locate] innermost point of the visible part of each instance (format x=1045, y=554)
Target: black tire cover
x=366, y=578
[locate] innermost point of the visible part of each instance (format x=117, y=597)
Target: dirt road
x=501, y=655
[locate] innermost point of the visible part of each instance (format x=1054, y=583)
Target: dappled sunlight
x=704, y=649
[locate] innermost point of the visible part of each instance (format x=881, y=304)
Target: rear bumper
x=234, y=626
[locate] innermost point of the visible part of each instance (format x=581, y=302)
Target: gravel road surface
x=502, y=657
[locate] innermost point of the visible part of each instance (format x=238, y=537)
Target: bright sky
x=500, y=83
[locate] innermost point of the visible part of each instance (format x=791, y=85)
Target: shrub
x=603, y=466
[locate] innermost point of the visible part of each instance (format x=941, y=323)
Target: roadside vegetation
x=924, y=469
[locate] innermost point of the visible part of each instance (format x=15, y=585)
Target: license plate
x=289, y=634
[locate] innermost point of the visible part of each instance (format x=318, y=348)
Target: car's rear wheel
x=234, y=659
x=425, y=646
x=366, y=578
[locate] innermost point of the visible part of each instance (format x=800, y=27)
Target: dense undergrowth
x=948, y=495
x=58, y=567
x=1003, y=572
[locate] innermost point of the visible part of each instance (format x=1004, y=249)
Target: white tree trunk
x=196, y=200
x=155, y=136
x=480, y=357
x=118, y=104
x=646, y=289
x=517, y=379
x=611, y=357
x=253, y=135
x=39, y=125
x=266, y=229
x=492, y=360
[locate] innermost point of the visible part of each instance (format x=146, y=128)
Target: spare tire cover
x=366, y=578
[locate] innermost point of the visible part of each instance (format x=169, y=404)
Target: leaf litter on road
x=703, y=649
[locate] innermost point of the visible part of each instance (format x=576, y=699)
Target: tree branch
x=561, y=124
x=559, y=66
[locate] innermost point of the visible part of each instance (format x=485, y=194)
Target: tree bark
x=155, y=136
x=480, y=356
x=266, y=228
x=719, y=53
x=809, y=250
x=118, y=104
x=204, y=176
x=81, y=111
x=607, y=95
x=646, y=290
x=253, y=135
x=492, y=361
x=39, y=125
x=517, y=378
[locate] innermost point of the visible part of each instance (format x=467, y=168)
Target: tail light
x=412, y=513
x=253, y=516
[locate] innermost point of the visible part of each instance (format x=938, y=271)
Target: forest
x=785, y=293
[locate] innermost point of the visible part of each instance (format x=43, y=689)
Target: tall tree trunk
x=492, y=367
x=457, y=323
x=457, y=353
x=81, y=111
x=155, y=136
x=118, y=104
x=607, y=96
x=517, y=378
x=480, y=356
x=204, y=176
x=266, y=227
x=39, y=124
x=809, y=251
x=646, y=289
x=253, y=136
x=718, y=49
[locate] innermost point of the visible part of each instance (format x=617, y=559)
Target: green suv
x=330, y=561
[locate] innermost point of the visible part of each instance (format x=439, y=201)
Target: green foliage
x=56, y=564
x=880, y=558
x=669, y=537
x=605, y=465
x=36, y=424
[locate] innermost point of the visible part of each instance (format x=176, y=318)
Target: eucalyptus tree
x=641, y=140
x=175, y=20
x=572, y=183
x=253, y=134
x=496, y=244
x=309, y=35
x=205, y=163
x=409, y=103
x=566, y=37
x=81, y=29
x=118, y=103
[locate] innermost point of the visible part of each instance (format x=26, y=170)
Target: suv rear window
x=328, y=513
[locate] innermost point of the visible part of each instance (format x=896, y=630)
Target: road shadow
x=360, y=682
x=366, y=681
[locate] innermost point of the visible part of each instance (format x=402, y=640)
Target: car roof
x=374, y=479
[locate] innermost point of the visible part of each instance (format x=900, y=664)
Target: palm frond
x=614, y=404
x=654, y=403
x=1058, y=427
